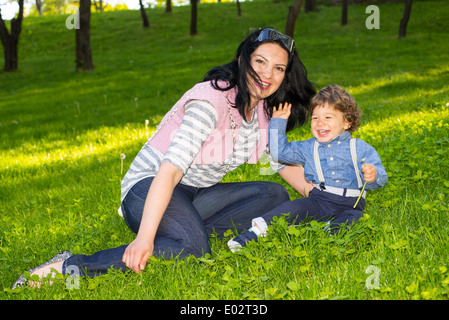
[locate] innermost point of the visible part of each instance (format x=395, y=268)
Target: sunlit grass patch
x=93, y=143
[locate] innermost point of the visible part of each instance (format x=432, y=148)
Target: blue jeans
x=191, y=216
x=320, y=206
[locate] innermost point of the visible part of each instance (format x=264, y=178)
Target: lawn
x=62, y=135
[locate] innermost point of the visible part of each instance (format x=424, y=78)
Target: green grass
x=62, y=133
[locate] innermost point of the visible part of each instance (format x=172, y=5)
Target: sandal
x=61, y=256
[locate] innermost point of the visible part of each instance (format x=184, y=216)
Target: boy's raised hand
x=283, y=111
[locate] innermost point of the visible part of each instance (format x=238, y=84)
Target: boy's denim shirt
x=335, y=157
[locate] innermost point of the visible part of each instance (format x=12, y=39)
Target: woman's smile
x=262, y=84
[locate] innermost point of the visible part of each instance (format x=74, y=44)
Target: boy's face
x=328, y=123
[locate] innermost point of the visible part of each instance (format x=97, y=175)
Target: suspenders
x=354, y=162
x=340, y=191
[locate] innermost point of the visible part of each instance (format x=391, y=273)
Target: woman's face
x=269, y=61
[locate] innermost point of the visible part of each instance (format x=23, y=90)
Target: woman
x=171, y=195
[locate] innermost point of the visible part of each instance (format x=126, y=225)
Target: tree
x=143, y=13
x=293, y=12
x=239, y=10
x=168, y=6
x=10, y=41
x=39, y=7
x=98, y=5
x=83, y=52
x=405, y=18
x=344, y=12
x=193, y=17
x=310, y=6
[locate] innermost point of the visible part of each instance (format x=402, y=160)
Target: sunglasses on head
x=271, y=34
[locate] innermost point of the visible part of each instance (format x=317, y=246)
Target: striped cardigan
x=220, y=143
x=204, y=114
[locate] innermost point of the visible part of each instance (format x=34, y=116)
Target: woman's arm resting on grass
x=138, y=252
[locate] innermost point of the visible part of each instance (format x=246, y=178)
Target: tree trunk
x=239, y=10
x=168, y=6
x=405, y=18
x=82, y=35
x=193, y=19
x=39, y=7
x=293, y=12
x=143, y=13
x=10, y=41
x=98, y=5
x=310, y=6
x=344, y=12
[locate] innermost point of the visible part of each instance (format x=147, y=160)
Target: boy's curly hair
x=339, y=99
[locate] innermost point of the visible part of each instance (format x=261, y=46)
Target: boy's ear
x=347, y=124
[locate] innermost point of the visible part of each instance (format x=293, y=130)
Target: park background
x=67, y=137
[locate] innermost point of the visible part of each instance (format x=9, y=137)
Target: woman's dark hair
x=295, y=88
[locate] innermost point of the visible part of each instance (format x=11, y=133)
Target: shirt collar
x=344, y=136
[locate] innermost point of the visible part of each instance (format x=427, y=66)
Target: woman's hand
x=283, y=111
x=137, y=253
